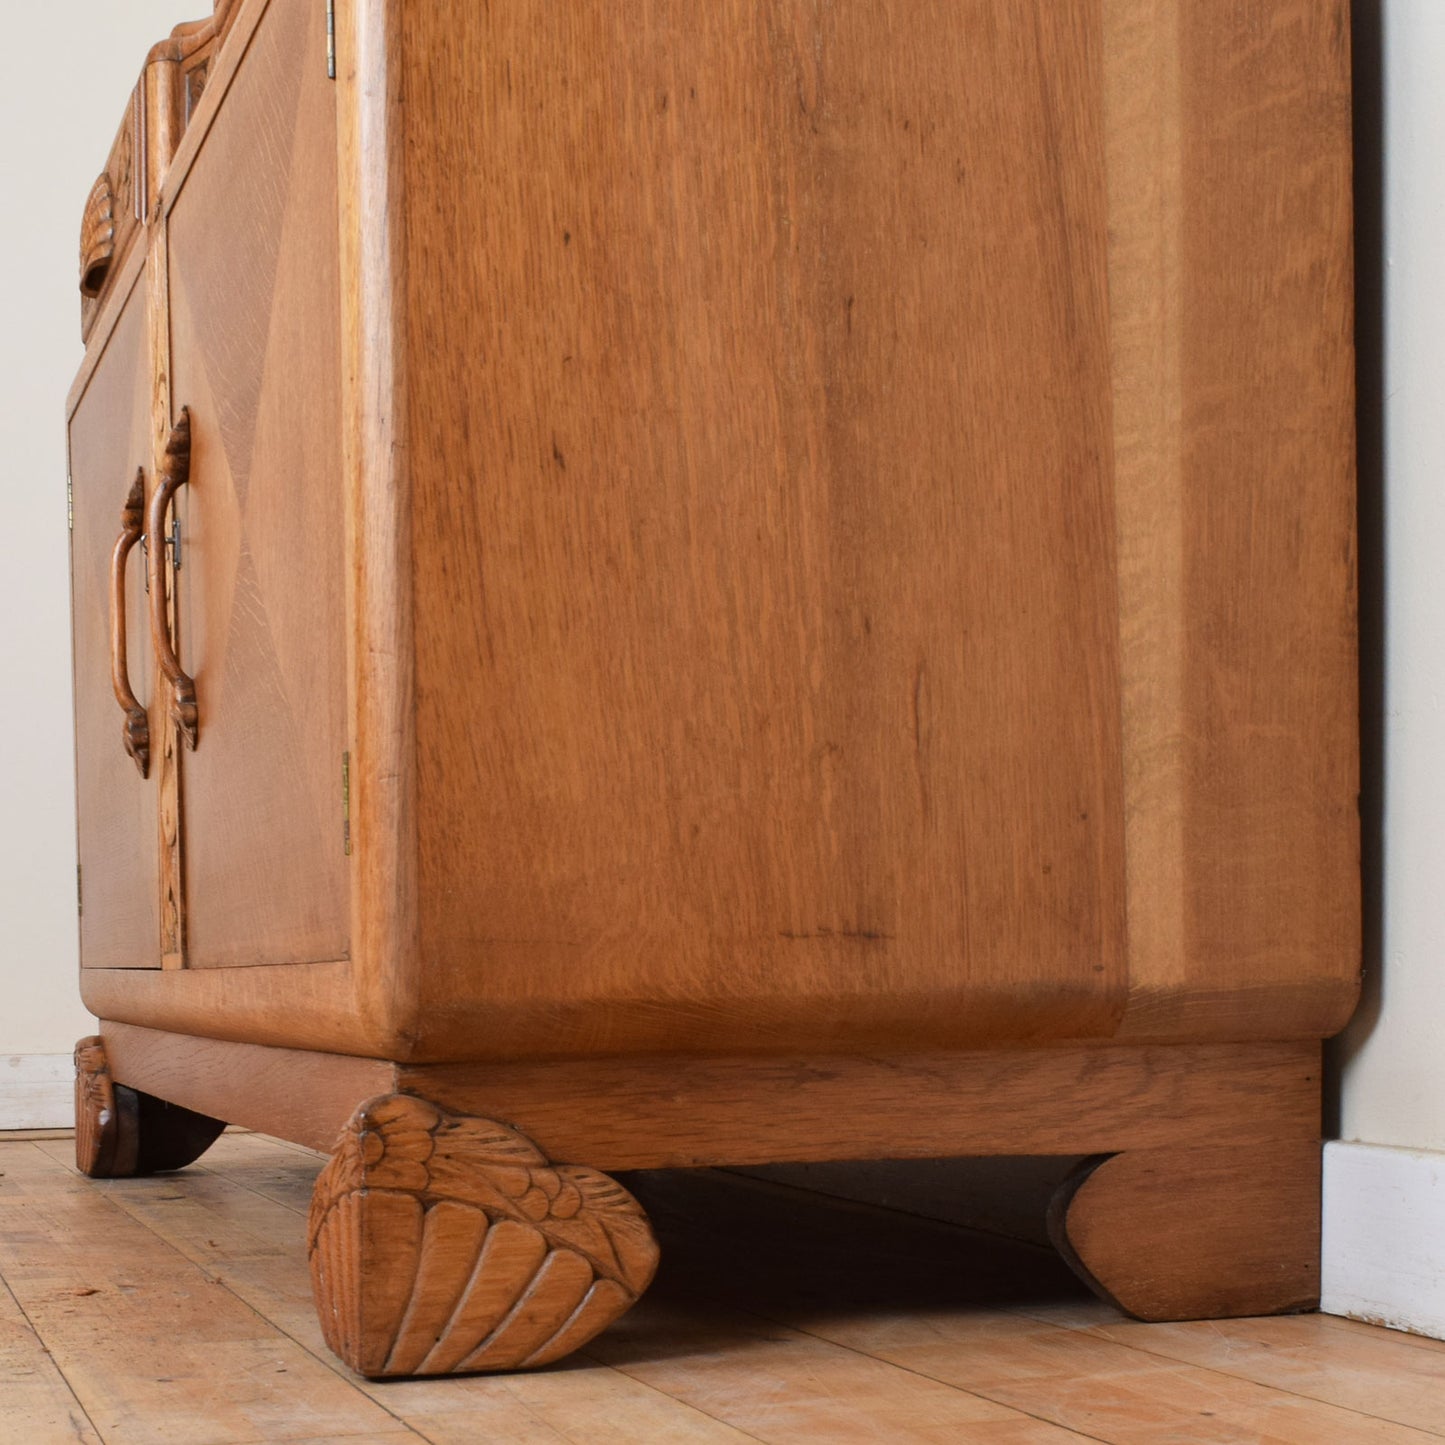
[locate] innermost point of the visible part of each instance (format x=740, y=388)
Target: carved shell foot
x=441, y=1243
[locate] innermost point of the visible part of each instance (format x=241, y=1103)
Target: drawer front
x=255, y=324
x=115, y=803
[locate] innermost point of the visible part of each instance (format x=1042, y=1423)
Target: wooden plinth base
x=443, y=1241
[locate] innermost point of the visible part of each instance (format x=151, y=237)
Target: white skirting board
x=1384, y=1236
x=37, y=1091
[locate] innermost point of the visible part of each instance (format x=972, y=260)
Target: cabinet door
x=255, y=346
x=115, y=804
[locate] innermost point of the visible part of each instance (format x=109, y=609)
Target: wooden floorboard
x=37, y=1403
x=177, y=1309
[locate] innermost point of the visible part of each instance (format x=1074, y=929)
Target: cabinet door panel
x=255, y=356
x=115, y=806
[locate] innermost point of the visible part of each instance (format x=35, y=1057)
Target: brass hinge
x=331, y=39
x=79, y=893
x=346, y=803
x=69, y=502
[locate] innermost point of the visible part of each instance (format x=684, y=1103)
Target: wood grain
x=442, y=1244
x=779, y=1317
x=822, y=540
x=236, y=1227
x=377, y=502
x=1233, y=403
x=224, y=16
x=337, y=1006
x=305, y=1097
x=253, y=297
x=254, y=1247
x=125, y=276
x=1337, y=1361
x=780, y=1383
x=317, y=1006
x=237, y=24
x=40, y=1407
x=153, y=1350
x=1197, y=1233
x=785, y=717
x=987, y=1318
x=175, y=79
x=161, y=106
x=788, y=667
x=170, y=819
x=109, y=443
x=678, y=1112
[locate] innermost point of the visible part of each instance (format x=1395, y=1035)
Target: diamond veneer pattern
x=253, y=306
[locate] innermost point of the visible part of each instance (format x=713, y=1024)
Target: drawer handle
x=136, y=733
x=175, y=473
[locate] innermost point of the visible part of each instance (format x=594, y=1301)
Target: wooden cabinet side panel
x=1231, y=299
x=115, y=806
x=758, y=425
x=255, y=334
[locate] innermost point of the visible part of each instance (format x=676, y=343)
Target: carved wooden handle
x=175, y=473
x=136, y=733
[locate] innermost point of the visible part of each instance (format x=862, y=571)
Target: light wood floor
x=177, y=1309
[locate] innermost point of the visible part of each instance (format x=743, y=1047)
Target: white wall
x=1384, y=1236
x=65, y=73
x=1393, y=1071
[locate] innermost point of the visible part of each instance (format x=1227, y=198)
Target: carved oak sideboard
x=681, y=585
